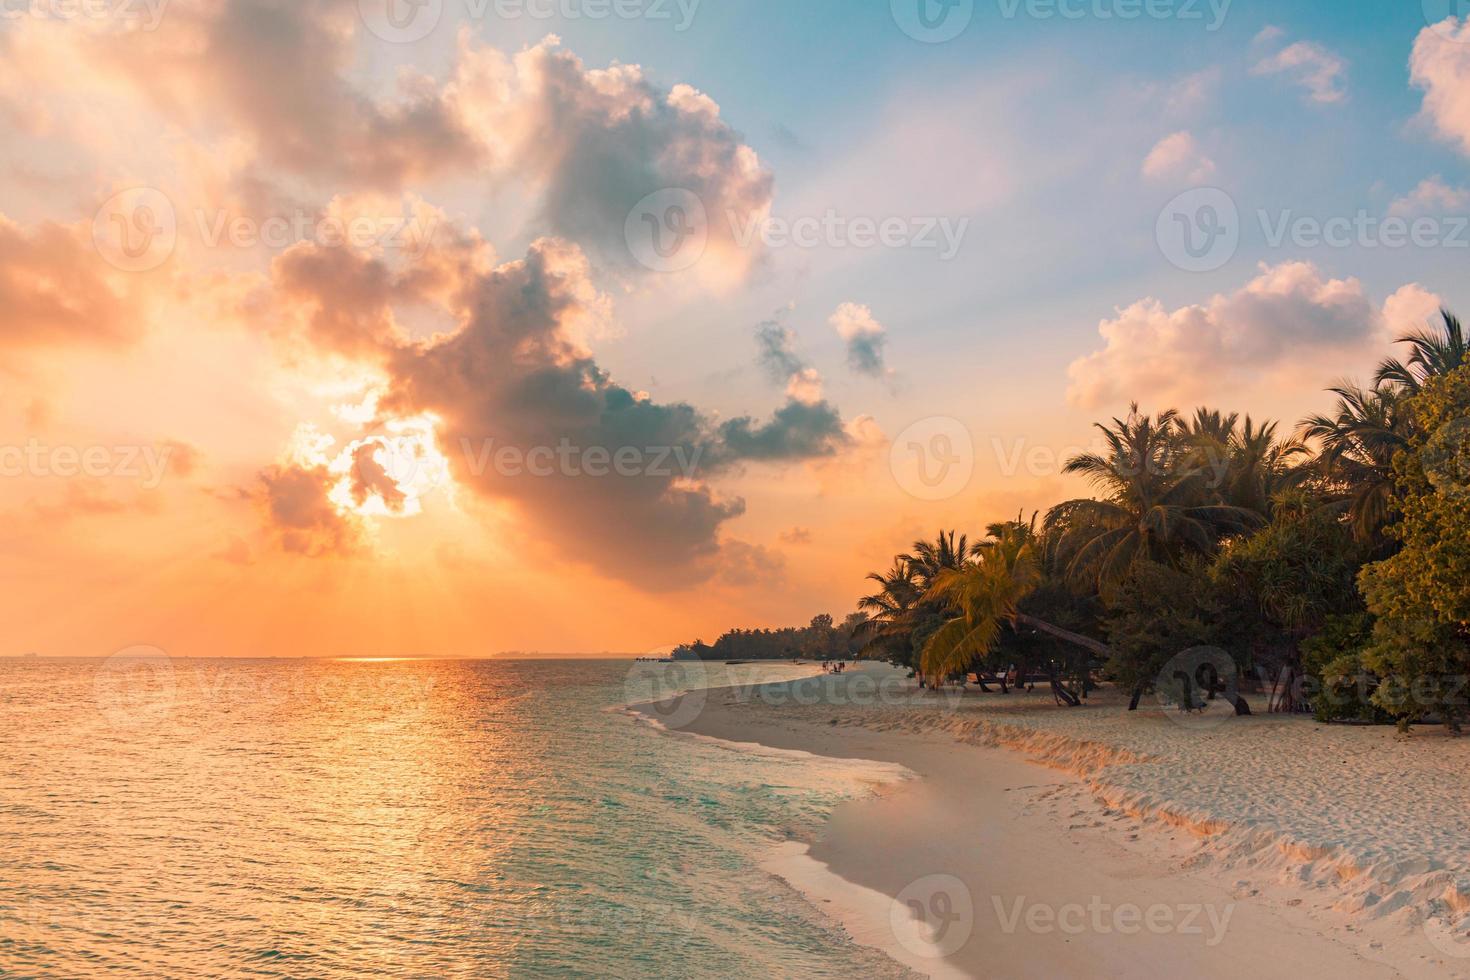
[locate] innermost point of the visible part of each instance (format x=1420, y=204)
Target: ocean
x=395, y=818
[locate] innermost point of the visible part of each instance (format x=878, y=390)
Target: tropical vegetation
x=1327, y=570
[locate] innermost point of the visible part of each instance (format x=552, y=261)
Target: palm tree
x=1433, y=354
x=1158, y=504
x=889, y=610
x=1260, y=467
x=930, y=559
x=984, y=595
x=1358, y=442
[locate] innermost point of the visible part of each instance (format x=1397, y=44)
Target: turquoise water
x=407, y=818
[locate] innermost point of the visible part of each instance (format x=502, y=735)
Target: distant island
x=823, y=639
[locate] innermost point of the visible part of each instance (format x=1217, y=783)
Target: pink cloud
x=1288, y=313
x=1178, y=157
x=1440, y=65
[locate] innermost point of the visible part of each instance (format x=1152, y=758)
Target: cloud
x=527, y=418
x=599, y=141
x=1178, y=157
x=865, y=338
x=796, y=536
x=1306, y=63
x=88, y=498
x=777, y=355
x=1432, y=197
x=306, y=522
x=799, y=430
x=276, y=75
x=1288, y=313
x=344, y=298
x=1193, y=92
x=805, y=386
x=1410, y=309
x=777, y=351
x=1440, y=65
x=183, y=458
x=745, y=565
x=56, y=289
x=264, y=99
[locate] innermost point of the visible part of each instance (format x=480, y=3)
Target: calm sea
x=406, y=818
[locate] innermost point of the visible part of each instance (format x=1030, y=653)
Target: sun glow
x=386, y=474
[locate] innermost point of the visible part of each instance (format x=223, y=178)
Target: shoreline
x=1040, y=826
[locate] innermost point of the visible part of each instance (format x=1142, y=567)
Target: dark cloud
x=299, y=511
x=526, y=416
x=797, y=535
x=865, y=354
x=369, y=478
x=799, y=430
x=601, y=141
x=777, y=355
x=865, y=338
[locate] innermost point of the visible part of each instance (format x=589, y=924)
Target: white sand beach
x=1042, y=841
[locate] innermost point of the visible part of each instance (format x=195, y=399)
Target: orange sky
x=314, y=342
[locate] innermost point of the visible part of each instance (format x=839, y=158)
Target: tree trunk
x=1060, y=693
x=1137, y=696
x=1086, y=642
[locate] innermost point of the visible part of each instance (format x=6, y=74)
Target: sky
x=454, y=327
